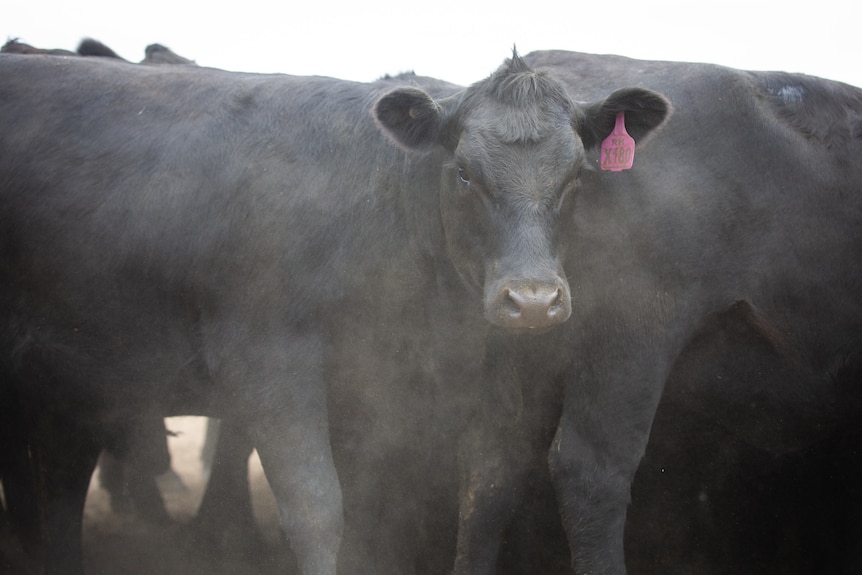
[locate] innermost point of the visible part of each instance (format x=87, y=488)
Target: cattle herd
x=458, y=343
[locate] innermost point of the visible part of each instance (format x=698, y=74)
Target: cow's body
x=747, y=205
x=190, y=241
x=184, y=324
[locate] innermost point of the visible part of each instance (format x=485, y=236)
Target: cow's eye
x=463, y=176
x=567, y=192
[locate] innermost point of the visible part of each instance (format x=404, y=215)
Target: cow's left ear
x=645, y=111
x=411, y=117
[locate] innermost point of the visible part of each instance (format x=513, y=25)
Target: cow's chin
x=528, y=331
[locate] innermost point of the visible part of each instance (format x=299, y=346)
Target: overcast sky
x=457, y=40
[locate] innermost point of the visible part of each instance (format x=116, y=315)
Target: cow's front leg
x=492, y=482
x=289, y=426
x=491, y=479
x=299, y=467
x=225, y=518
x=599, y=443
x=506, y=440
x=65, y=453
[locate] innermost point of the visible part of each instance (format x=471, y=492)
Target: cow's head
x=516, y=145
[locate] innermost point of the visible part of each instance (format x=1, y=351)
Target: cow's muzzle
x=530, y=305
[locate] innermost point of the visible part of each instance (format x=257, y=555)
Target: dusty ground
x=769, y=526
x=124, y=544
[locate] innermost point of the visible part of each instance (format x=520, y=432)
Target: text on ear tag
x=618, y=149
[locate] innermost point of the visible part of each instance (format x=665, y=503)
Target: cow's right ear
x=645, y=112
x=411, y=117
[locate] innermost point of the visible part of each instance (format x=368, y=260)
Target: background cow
x=15, y=46
x=153, y=54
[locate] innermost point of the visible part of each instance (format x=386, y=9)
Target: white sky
x=457, y=40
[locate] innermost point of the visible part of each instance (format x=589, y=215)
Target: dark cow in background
x=192, y=241
x=159, y=54
x=746, y=207
x=717, y=493
x=153, y=54
x=15, y=46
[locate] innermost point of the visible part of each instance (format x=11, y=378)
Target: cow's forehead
x=528, y=123
x=519, y=91
x=553, y=158
x=518, y=108
x=497, y=128
x=517, y=121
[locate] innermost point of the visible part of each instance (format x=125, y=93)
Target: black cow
x=721, y=487
x=747, y=206
x=183, y=240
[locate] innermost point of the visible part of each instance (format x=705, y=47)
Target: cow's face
x=515, y=144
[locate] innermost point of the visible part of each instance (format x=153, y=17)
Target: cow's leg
x=136, y=451
x=493, y=477
x=18, y=475
x=297, y=458
x=112, y=478
x=290, y=429
x=66, y=453
x=598, y=445
x=149, y=457
x=492, y=483
x=210, y=443
x=20, y=488
x=505, y=441
x=225, y=517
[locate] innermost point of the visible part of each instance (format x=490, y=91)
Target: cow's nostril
x=556, y=304
x=513, y=302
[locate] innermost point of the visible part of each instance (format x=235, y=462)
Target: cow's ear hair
x=409, y=116
x=645, y=111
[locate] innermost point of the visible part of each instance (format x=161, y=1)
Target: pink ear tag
x=618, y=149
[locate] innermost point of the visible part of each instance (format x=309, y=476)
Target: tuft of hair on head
x=517, y=84
x=516, y=64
